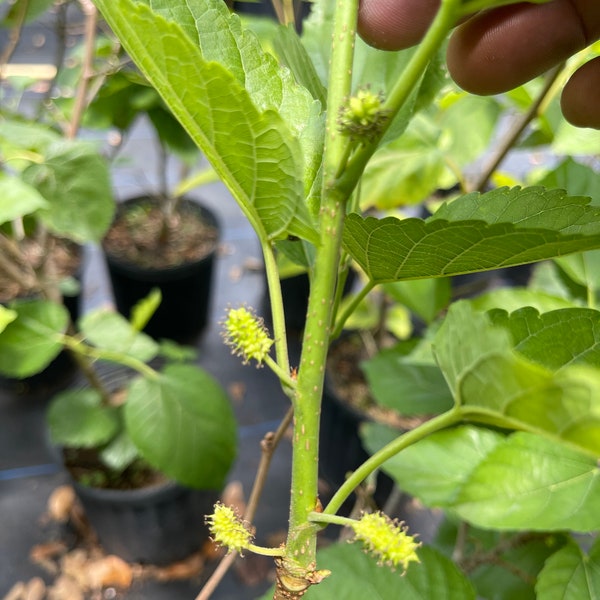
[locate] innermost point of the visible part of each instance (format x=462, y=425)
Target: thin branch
x=80, y=103
x=518, y=127
x=14, y=37
x=268, y=446
x=60, y=30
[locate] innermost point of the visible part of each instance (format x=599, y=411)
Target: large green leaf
x=78, y=419
x=570, y=574
x=253, y=150
x=557, y=338
x=493, y=383
x=521, y=482
x=183, y=424
x=474, y=233
x=31, y=340
x=417, y=469
x=355, y=576
x=17, y=198
x=74, y=180
x=529, y=482
x=110, y=331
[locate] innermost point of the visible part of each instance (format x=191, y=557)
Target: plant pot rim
x=208, y=216
x=161, y=490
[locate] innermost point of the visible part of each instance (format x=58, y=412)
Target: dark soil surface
x=32, y=262
x=85, y=467
x=347, y=380
x=142, y=235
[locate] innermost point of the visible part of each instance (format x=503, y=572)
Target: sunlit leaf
x=520, y=482
x=30, y=342
x=262, y=164
x=494, y=383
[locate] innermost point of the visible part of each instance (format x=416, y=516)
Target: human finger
x=500, y=49
x=580, y=101
x=395, y=24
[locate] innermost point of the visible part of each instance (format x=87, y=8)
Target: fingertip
x=395, y=24
x=580, y=101
x=499, y=50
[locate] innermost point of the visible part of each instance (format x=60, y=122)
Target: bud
x=247, y=335
x=386, y=539
x=228, y=529
x=363, y=116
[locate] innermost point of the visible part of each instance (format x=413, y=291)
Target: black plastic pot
x=186, y=289
x=160, y=524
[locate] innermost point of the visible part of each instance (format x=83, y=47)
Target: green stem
x=301, y=542
x=350, y=308
x=284, y=376
x=266, y=551
x=277, y=312
x=318, y=517
x=443, y=421
x=444, y=20
x=120, y=358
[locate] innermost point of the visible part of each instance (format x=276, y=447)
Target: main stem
x=301, y=543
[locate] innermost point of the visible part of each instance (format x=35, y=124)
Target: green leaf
x=409, y=388
x=476, y=232
x=579, y=179
x=415, y=165
x=119, y=453
x=183, y=424
x=110, y=331
x=74, y=180
x=582, y=268
x=554, y=339
x=356, y=576
x=570, y=574
x=143, y=310
x=251, y=148
x=520, y=482
x=529, y=482
x=31, y=341
x=78, y=419
x=17, y=198
x=7, y=316
x=435, y=469
x=424, y=297
x=495, y=384
x=294, y=55
x=511, y=299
